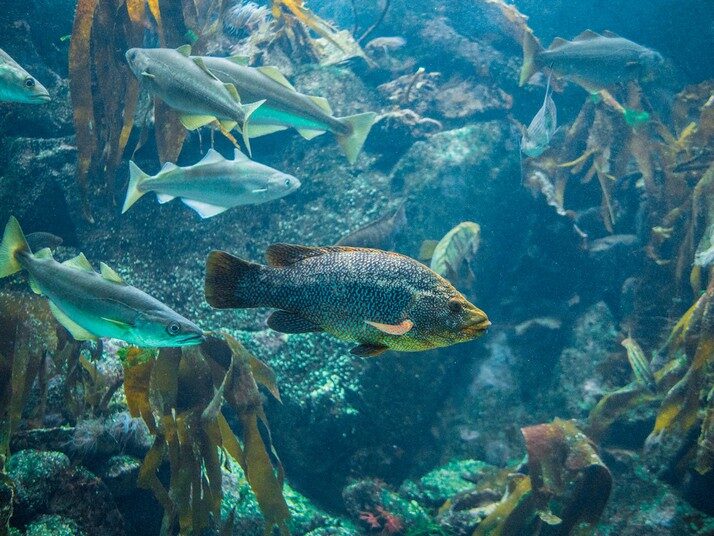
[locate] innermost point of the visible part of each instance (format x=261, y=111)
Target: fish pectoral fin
x=259, y=190
x=79, y=262
x=309, y=133
x=193, y=122
x=109, y=274
x=148, y=76
x=35, y=286
x=205, y=210
x=118, y=323
x=255, y=131
x=632, y=65
x=274, y=74
x=77, y=331
x=286, y=322
x=164, y=198
x=402, y=328
x=321, y=103
x=369, y=350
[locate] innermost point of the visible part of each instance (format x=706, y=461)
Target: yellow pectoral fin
x=77, y=331
x=117, y=323
x=193, y=122
x=393, y=329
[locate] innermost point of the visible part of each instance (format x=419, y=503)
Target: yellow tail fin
x=360, y=125
x=248, y=110
x=136, y=177
x=531, y=49
x=13, y=242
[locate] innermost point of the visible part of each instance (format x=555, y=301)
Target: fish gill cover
x=425, y=130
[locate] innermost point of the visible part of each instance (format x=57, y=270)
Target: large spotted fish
x=377, y=299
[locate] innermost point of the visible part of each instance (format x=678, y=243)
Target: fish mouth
x=477, y=326
x=41, y=98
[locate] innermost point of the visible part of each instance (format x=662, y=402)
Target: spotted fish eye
x=455, y=306
x=173, y=328
x=29, y=82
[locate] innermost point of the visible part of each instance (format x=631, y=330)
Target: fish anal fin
x=109, y=274
x=369, y=350
x=164, y=198
x=255, y=131
x=558, y=42
x=194, y=122
x=286, y=322
x=322, y=104
x=587, y=35
x=309, y=133
x=205, y=210
x=401, y=328
x=287, y=254
x=77, y=331
x=79, y=262
x=274, y=74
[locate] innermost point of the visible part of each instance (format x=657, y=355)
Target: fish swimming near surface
x=91, y=304
x=536, y=138
x=213, y=185
x=17, y=85
x=187, y=86
x=591, y=60
x=285, y=107
x=379, y=234
x=381, y=300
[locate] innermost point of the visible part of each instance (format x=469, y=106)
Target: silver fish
x=212, y=185
x=187, y=86
x=91, y=304
x=284, y=107
x=17, y=85
x=591, y=60
x=536, y=138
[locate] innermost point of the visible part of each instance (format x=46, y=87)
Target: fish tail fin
x=531, y=49
x=229, y=282
x=136, y=177
x=248, y=110
x=13, y=242
x=352, y=142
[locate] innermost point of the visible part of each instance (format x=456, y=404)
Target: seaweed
x=179, y=395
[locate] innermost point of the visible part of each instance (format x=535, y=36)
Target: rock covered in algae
x=37, y=476
x=54, y=525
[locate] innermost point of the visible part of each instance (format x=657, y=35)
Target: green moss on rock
x=53, y=525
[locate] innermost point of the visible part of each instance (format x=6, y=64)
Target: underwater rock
x=581, y=378
x=54, y=525
x=398, y=130
x=37, y=476
x=120, y=473
x=461, y=99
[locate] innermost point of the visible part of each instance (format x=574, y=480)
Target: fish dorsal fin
x=79, y=262
x=587, y=35
x=239, y=60
x=233, y=91
x=44, y=253
x=212, y=156
x=109, y=274
x=608, y=33
x=558, y=42
x=202, y=66
x=273, y=73
x=168, y=166
x=287, y=254
x=322, y=103
x=77, y=331
x=238, y=156
x=184, y=50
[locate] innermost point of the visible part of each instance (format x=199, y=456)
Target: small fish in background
x=451, y=256
x=379, y=234
x=187, y=86
x=591, y=60
x=639, y=363
x=90, y=304
x=536, y=138
x=17, y=85
x=385, y=45
x=41, y=240
x=284, y=107
x=212, y=185
x=380, y=300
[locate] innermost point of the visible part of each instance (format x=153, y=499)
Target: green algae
x=54, y=525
